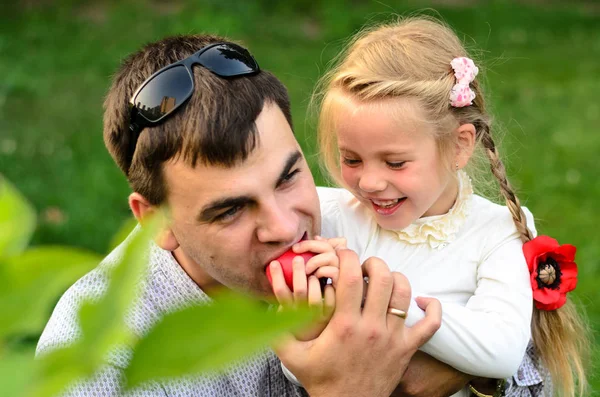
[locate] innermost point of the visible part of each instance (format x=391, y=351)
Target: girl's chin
x=391, y=224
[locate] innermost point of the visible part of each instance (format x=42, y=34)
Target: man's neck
x=195, y=272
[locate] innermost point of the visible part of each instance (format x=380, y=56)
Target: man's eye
x=229, y=214
x=350, y=162
x=396, y=165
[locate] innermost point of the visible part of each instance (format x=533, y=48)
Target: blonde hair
x=410, y=58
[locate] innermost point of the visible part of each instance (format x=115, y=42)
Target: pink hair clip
x=465, y=71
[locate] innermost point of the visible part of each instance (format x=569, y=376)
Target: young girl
x=401, y=116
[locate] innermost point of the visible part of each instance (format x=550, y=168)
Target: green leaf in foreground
x=58, y=369
x=102, y=321
x=203, y=338
x=31, y=282
x=16, y=372
x=124, y=231
x=17, y=220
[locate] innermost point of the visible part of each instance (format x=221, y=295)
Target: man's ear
x=465, y=138
x=141, y=209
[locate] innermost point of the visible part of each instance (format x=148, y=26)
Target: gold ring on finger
x=396, y=312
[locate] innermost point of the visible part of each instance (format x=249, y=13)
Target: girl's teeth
x=386, y=203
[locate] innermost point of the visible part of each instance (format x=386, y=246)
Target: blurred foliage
x=126, y=228
x=186, y=343
x=30, y=281
x=14, y=232
x=31, y=278
x=189, y=341
x=540, y=60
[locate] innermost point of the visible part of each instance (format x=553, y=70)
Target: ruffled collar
x=440, y=230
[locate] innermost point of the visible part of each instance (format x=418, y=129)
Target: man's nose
x=371, y=181
x=278, y=223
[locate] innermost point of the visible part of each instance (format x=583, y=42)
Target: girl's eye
x=291, y=175
x=350, y=162
x=396, y=165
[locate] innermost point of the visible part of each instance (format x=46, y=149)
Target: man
x=215, y=143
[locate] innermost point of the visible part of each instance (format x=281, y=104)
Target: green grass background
x=541, y=61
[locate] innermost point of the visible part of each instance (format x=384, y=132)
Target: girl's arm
x=487, y=337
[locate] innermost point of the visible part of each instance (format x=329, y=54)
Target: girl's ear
x=141, y=209
x=465, y=138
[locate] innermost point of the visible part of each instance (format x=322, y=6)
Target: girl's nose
x=371, y=182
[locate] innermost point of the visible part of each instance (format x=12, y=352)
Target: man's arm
x=362, y=351
x=428, y=377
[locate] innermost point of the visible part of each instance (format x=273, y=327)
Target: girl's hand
x=325, y=264
x=307, y=288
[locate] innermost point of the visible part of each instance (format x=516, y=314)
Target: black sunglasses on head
x=166, y=90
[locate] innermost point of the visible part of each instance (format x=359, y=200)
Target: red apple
x=286, y=266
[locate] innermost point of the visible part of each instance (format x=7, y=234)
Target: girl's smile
x=387, y=207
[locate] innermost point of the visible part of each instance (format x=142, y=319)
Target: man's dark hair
x=215, y=127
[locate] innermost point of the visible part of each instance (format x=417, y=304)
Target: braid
x=565, y=360
x=512, y=201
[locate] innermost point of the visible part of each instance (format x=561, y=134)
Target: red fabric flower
x=552, y=269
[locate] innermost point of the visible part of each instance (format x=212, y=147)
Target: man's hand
x=428, y=377
x=361, y=352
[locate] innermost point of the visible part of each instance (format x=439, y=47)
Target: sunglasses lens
x=165, y=92
x=228, y=60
